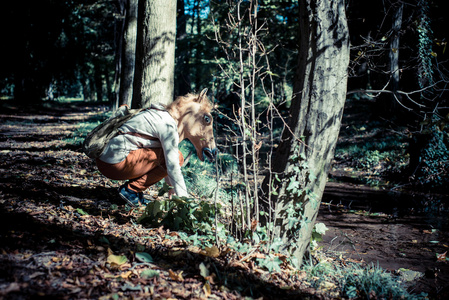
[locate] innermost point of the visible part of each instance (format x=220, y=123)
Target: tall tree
x=155, y=53
x=128, y=53
x=394, y=50
x=182, y=77
x=303, y=158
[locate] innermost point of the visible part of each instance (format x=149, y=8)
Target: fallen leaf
x=409, y=275
x=204, y=271
x=238, y=265
x=254, y=225
x=13, y=287
x=176, y=277
x=326, y=285
x=258, y=255
x=207, y=290
x=116, y=259
x=442, y=256
x=211, y=251
x=125, y=275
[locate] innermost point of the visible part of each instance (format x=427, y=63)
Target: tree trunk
x=394, y=54
x=198, y=69
x=155, y=55
x=182, y=52
x=119, y=29
x=304, y=155
x=128, y=55
x=98, y=78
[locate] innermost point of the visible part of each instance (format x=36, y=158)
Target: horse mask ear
x=202, y=95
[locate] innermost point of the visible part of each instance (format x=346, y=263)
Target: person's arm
x=169, y=140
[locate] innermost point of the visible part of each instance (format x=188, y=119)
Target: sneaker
x=131, y=197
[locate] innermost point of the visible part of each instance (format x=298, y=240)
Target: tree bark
x=128, y=56
x=155, y=55
x=304, y=155
x=182, y=52
x=98, y=78
x=394, y=53
x=119, y=29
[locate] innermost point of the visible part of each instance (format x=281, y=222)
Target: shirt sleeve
x=168, y=136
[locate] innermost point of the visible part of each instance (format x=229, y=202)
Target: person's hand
x=171, y=192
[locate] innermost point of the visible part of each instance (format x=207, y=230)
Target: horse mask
x=197, y=124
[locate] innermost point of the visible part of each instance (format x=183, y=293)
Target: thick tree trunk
x=155, y=56
x=307, y=147
x=128, y=55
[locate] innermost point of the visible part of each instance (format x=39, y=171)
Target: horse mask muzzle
x=211, y=154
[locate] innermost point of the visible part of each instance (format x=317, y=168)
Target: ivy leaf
x=276, y=245
x=271, y=263
x=293, y=186
x=82, y=212
x=292, y=222
x=321, y=228
x=277, y=177
x=164, y=189
x=144, y=257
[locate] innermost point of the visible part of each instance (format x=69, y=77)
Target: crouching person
x=146, y=149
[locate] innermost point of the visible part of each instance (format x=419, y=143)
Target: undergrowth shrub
x=377, y=158
x=355, y=281
x=180, y=214
x=201, y=177
x=373, y=282
x=433, y=169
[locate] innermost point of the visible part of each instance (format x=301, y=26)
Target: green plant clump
x=434, y=160
x=180, y=213
x=372, y=282
x=355, y=281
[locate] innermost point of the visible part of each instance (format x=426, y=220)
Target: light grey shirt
x=155, y=123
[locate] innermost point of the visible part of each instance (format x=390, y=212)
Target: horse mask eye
x=207, y=119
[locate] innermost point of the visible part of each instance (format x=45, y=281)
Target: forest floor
x=65, y=234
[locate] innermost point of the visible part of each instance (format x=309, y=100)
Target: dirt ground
x=48, y=243
x=374, y=227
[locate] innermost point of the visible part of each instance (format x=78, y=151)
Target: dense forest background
x=71, y=50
